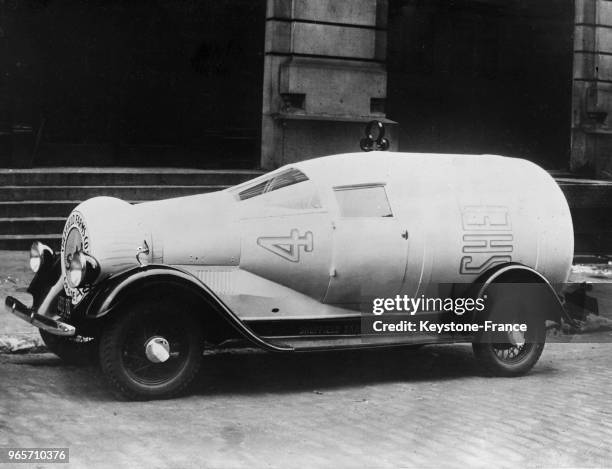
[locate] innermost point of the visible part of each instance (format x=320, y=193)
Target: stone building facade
x=260, y=83
x=592, y=87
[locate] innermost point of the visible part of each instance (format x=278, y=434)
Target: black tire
x=72, y=350
x=494, y=365
x=500, y=354
x=123, y=356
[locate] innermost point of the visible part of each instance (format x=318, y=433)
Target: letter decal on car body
x=487, y=239
x=287, y=247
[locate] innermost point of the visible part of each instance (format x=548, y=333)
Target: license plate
x=63, y=306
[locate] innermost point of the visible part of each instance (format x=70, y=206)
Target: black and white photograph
x=348, y=234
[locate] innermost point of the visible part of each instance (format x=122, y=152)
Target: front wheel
x=152, y=350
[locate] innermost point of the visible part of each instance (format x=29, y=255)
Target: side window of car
x=363, y=201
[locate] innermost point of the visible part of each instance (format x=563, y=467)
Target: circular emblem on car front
x=74, y=239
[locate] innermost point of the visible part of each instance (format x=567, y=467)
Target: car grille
x=64, y=306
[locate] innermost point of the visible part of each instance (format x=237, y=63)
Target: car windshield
x=283, y=179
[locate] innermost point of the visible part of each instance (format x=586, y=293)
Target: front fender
x=118, y=289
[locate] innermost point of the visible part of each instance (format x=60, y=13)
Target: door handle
x=405, y=234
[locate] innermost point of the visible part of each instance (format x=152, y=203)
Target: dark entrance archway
x=139, y=83
x=482, y=76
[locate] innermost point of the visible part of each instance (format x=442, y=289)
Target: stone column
x=324, y=77
x=592, y=88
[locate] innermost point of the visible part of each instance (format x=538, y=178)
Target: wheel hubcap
x=514, y=349
x=517, y=338
x=157, y=350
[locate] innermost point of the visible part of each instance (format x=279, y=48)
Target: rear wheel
x=73, y=350
x=511, y=353
x=507, y=358
x=152, y=351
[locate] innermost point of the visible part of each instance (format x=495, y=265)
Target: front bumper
x=46, y=323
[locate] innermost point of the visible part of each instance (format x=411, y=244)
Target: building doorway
x=139, y=83
x=475, y=76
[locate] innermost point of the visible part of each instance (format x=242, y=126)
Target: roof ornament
x=374, y=137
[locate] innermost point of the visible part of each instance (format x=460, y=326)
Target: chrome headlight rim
x=81, y=270
x=41, y=256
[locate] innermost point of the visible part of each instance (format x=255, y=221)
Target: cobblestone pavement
x=374, y=409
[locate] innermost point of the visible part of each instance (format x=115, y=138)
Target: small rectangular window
x=282, y=179
x=363, y=201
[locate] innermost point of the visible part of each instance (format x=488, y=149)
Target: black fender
x=519, y=273
x=117, y=289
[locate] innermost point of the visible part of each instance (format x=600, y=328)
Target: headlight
x=82, y=269
x=40, y=254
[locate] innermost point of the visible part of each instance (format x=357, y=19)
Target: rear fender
x=543, y=296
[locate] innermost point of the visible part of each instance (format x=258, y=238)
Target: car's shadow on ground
x=289, y=372
x=255, y=372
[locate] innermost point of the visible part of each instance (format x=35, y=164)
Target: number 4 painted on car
x=287, y=247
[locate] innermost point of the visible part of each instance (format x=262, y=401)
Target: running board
x=308, y=343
